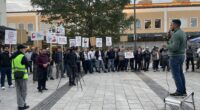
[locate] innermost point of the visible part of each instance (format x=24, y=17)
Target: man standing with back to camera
x=176, y=46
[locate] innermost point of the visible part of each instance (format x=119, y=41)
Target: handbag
x=18, y=74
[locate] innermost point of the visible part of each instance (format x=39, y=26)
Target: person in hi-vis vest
x=20, y=75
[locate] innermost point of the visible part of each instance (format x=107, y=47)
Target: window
x=138, y=24
x=184, y=23
x=194, y=22
x=21, y=26
x=158, y=23
x=30, y=28
x=12, y=25
x=147, y=24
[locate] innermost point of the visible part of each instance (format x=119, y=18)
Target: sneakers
x=11, y=86
x=3, y=88
x=177, y=94
x=23, y=108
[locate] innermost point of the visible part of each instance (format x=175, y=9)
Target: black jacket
x=71, y=59
x=24, y=59
x=111, y=54
x=138, y=57
x=147, y=55
x=97, y=55
x=5, y=60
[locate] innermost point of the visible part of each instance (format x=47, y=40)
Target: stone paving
x=107, y=91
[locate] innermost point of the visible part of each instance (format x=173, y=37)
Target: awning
x=3, y=28
x=197, y=40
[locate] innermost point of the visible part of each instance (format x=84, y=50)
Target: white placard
x=52, y=38
x=10, y=37
x=129, y=55
x=72, y=42
x=108, y=41
x=85, y=42
x=60, y=30
x=62, y=40
x=78, y=41
x=37, y=36
x=99, y=42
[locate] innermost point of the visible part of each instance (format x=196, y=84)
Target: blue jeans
x=176, y=65
x=6, y=72
x=111, y=64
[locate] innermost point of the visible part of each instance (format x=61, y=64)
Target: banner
x=78, y=41
x=123, y=38
x=85, y=42
x=10, y=37
x=52, y=38
x=37, y=36
x=99, y=42
x=62, y=40
x=72, y=42
x=108, y=41
x=93, y=41
x=129, y=55
x=60, y=30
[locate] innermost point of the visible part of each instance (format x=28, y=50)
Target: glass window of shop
x=147, y=24
x=194, y=22
x=157, y=23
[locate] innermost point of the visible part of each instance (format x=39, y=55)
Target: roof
x=164, y=5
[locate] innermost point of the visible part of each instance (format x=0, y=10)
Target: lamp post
x=135, y=34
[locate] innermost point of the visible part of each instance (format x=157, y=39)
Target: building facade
x=153, y=20
x=3, y=13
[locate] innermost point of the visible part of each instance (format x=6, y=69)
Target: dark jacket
x=97, y=55
x=57, y=57
x=34, y=57
x=42, y=59
x=138, y=56
x=147, y=55
x=71, y=59
x=190, y=53
x=24, y=59
x=5, y=60
x=111, y=54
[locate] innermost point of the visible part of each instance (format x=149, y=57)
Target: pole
x=21, y=36
x=135, y=34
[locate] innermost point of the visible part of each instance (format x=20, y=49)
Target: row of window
x=29, y=28
x=193, y=23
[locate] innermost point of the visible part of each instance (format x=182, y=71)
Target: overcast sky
x=24, y=5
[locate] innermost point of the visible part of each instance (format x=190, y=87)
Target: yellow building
x=28, y=21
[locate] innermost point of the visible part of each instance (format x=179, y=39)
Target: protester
x=86, y=61
x=164, y=58
x=78, y=61
x=71, y=66
x=28, y=55
x=138, y=59
x=43, y=62
x=50, y=67
x=176, y=46
x=5, y=65
x=111, y=60
x=147, y=58
x=99, y=54
x=91, y=55
x=34, y=59
x=121, y=56
x=59, y=64
x=155, y=58
x=189, y=58
x=20, y=75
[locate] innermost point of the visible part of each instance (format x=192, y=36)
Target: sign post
x=10, y=38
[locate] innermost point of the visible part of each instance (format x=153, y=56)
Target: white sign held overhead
x=78, y=41
x=108, y=41
x=72, y=42
x=129, y=55
x=52, y=38
x=62, y=40
x=10, y=37
x=37, y=36
x=85, y=42
x=99, y=42
x=60, y=30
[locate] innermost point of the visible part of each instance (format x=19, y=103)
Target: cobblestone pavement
x=107, y=91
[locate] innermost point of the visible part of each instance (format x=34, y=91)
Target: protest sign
x=108, y=41
x=52, y=38
x=72, y=42
x=37, y=36
x=85, y=42
x=10, y=37
x=129, y=55
x=62, y=40
x=99, y=42
x=78, y=41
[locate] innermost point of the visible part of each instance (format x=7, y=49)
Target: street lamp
x=135, y=34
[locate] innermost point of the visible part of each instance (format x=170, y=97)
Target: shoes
x=3, y=88
x=40, y=91
x=45, y=89
x=23, y=108
x=51, y=78
x=176, y=94
x=11, y=86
